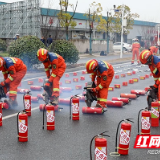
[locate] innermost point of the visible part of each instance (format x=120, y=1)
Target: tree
x=117, y=21
x=93, y=15
x=65, y=19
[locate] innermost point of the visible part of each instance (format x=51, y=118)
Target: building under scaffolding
x=21, y=18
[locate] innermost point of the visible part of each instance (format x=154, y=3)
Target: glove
x=2, y=84
x=93, y=90
x=154, y=86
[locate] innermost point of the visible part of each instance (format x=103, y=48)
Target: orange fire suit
x=17, y=70
x=57, y=64
x=135, y=51
x=104, y=76
x=155, y=69
x=154, y=49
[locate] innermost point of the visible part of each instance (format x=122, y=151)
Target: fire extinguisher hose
x=101, y=134
x=138, y=119
x=43, y=115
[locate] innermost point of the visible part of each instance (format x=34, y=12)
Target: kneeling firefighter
x=57, y=65
x=104, y=73
x=153, y=62
x=16, y=69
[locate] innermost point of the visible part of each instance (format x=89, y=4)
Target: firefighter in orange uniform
x=154, y=49
x=17, y=70
x=57, y=65
x=147, y=58
x=135, y=51
x=104, y=73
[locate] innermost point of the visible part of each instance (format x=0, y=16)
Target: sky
x=149, y=10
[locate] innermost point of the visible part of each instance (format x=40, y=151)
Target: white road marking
x=15, y=114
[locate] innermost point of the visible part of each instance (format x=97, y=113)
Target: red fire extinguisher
x=100, y=151
x=1, y=106
x=27, y=102
x=22, y=126
x=145, y=121
x=124, y=138
x=74, y=107
x=50, y=114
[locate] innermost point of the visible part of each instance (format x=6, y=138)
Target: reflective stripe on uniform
x=5, y=72
x=106, y=64
x=53, y=75
x=10, y=78
x=49, y=66
x=144, y=54
x=100, y=86
x=155, y=70
x=55, y=89
x=102, y=100
x=13, y=60
x=13, y=92
x=155, y=79
x=46, y=69
x=92, y=73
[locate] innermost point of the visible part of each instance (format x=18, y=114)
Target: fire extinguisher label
x=155, y=113
x=75, y=108
x=27, y=104
x=145, y=123
x=100, y=153
x=124, y=137
x=0, y=115
x=50, y=116
x=22, y=126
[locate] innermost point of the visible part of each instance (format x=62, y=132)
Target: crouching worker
x=57, y=65
x=16, y=69
x=153, y=62
x=103, y=72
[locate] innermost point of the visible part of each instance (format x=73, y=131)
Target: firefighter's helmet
x=91, y=66
x=146, y=57
x=42, y=54
x=1, y=63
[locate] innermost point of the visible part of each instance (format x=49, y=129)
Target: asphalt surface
x=71, y=139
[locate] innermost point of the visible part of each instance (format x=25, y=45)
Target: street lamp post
x=121, y=54
x=158, y=38
x=107, y=36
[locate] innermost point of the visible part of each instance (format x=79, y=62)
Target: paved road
x=71, y=139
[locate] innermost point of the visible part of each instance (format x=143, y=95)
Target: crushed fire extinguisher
x=100, y=151
x=145, y=122
x=124, y=138
x=74, y=107
x=27, y=102
x=50, y=114
x=22, y=126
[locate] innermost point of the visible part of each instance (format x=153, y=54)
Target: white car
x=126, y=47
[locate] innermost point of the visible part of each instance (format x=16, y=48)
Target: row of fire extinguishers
x=146, y=119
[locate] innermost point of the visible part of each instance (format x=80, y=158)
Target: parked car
x=126, y=47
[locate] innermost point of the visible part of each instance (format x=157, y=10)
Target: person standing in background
x=135, y=51
x=49, y=40
x=154, y=49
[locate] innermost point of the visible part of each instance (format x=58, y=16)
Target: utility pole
x=90, y=33
x=107, y=36
x=121, y=54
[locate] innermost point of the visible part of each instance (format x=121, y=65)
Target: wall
x=97, y=45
